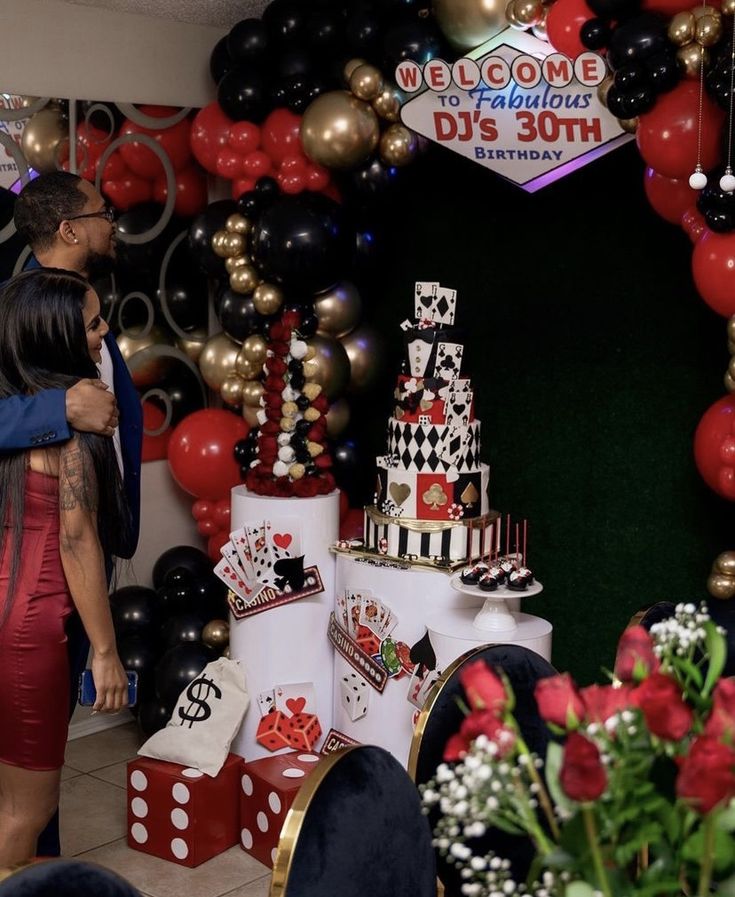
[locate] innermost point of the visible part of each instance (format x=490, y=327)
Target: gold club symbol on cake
x=435, y=496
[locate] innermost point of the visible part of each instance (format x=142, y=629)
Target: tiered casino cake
x=431, y=502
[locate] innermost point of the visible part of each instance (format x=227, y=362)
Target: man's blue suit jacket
x=30, y=421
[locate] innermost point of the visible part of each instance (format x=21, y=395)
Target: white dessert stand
x=495, y=616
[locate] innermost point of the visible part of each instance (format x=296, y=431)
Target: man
x=67, y=224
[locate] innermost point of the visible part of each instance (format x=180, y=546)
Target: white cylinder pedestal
x=453, y=633
x=288, y=643
x=412, y=595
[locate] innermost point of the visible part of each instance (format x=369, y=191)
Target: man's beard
x=98, y=266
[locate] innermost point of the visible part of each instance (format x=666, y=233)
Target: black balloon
x=249, y=204
x=193, y=559
x=323, y=29
x=238, y=316
x=203, y=228
x=346, y=463
x=220, y=62
x=267, y=189
x=243, y=94
x=717, y=78
x=363, y=31
x=140, y=655
x=134, y=611
x=637, y=39
x=178, y=576
x=629, y=104
x=180, y=628
x=144, y=258
x=630, y=77
x=595, y=34
x=153, y=716
x=209, y=597
x=613, y=9
x=663, y=71
x=183, y=390
x=285, y=20
x=178, y=666
x=419, y=41
x=370, y=182
x=302, y=242
x=177, y=599
x=716, y=205
x=293, y=61
x=186, y=303
x=247, y=42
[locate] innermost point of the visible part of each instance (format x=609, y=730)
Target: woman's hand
x=110, y=682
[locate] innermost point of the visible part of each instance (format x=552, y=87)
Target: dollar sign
x=198, y=694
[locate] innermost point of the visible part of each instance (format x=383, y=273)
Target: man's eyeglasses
x=108, y=213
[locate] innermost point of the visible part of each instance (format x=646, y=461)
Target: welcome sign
x=511, y=105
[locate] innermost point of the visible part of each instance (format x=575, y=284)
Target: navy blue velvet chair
x=356, y=829
x=441, y=717
x=66, y=878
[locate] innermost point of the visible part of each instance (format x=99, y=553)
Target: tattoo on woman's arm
x=77, y=481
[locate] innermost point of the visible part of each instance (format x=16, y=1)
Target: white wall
x=49, y=48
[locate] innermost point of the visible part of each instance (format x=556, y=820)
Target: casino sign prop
x=531, y=116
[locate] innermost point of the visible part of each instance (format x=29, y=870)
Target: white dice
x=354, y=694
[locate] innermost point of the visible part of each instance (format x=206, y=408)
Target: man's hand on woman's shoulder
x=91, y=407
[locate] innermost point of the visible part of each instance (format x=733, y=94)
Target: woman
x=63, y=511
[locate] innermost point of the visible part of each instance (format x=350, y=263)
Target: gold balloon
x=731, y=329
x=231, y=390
x=468, y=23
x=250, y=415
x=268, y=298
x=709, y=30
x=332, y=364
x=216, y=634
x=699, y=11
x=728, y=7
x=254, y=349
x=681, y=28
x=539, y=29
x=244, y=279
x=691, y=57
x=388, y=105
x=193, y=344
x=338, y=417
x=729, y=382
x=350, y=67
x=238, y=224
x=338, y=130
x=398, y=145
x=528, y=12
x=42, y=138
x=146, y=368
x=629, y=125
x=218, y=243
x=366, y=82
x=731, y=367
x=722, y=587
x=233, y=244
x=602, y=90
x=510, y=16
x=252, y=392
x=364, y=348
x=232, y=263
x=338, y=310
x=725, y=563
x=247, y=368
x=217, y=360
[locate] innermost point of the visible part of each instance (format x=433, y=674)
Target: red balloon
x=317, y=178
x=351, y=525
x=191, y=191
x=115, y=167
x=244, y=137
x=242, y=185
x=281, y=134
x=207, y=527
x=257, y=164
x=713, y=267
x=127, y=191
x=672, y=7
x=291, y=183
x=563, y=23
x=229, y=164
x=201, y=453
x=222, y=513
x=201, y=509
x=209, y=132
x=693, y=223
x=667, y=135
x=714, y=447
x=155, y=448
x=215, y=543
x=670, y=197
x=174, y=141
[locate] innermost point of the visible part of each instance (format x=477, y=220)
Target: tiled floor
x=93, y=810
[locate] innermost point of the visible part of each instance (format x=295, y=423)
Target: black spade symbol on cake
x=422, y=653
x=290, y=573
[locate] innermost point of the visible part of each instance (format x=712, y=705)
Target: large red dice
x=273, y=731
x=181, y=814
x=268, y=788
x=302, y=731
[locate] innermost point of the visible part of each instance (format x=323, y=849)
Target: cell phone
x=88, y=693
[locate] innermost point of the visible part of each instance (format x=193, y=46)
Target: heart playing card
x=261, y=554
x=296, y=697
x=424, y=295
x=239, y=541
x=283, y=535
x=457, y=409
x=233, y=578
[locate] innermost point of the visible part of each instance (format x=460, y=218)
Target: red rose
x=558, y=701
x=277, y=366
x=455, y=748
x=279, y=332
x=706, y=775
x=485, y=722
x=278, y=347
x=603, y=701
x=323, y=461
x=271, y=428
x=722, y=719
x=582, y=775
x=483, y=688
x=635, y=658
x=665, y=711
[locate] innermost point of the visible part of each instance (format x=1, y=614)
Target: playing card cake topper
x=263, y=565
x=291, y=457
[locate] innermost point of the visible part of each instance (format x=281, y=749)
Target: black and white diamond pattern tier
x=434, y=447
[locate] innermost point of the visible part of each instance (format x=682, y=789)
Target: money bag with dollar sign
x=206, y=718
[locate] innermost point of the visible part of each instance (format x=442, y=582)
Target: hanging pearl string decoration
x=698, y=179
x=727, y=181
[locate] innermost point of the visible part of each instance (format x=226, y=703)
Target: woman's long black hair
x=43, y=345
